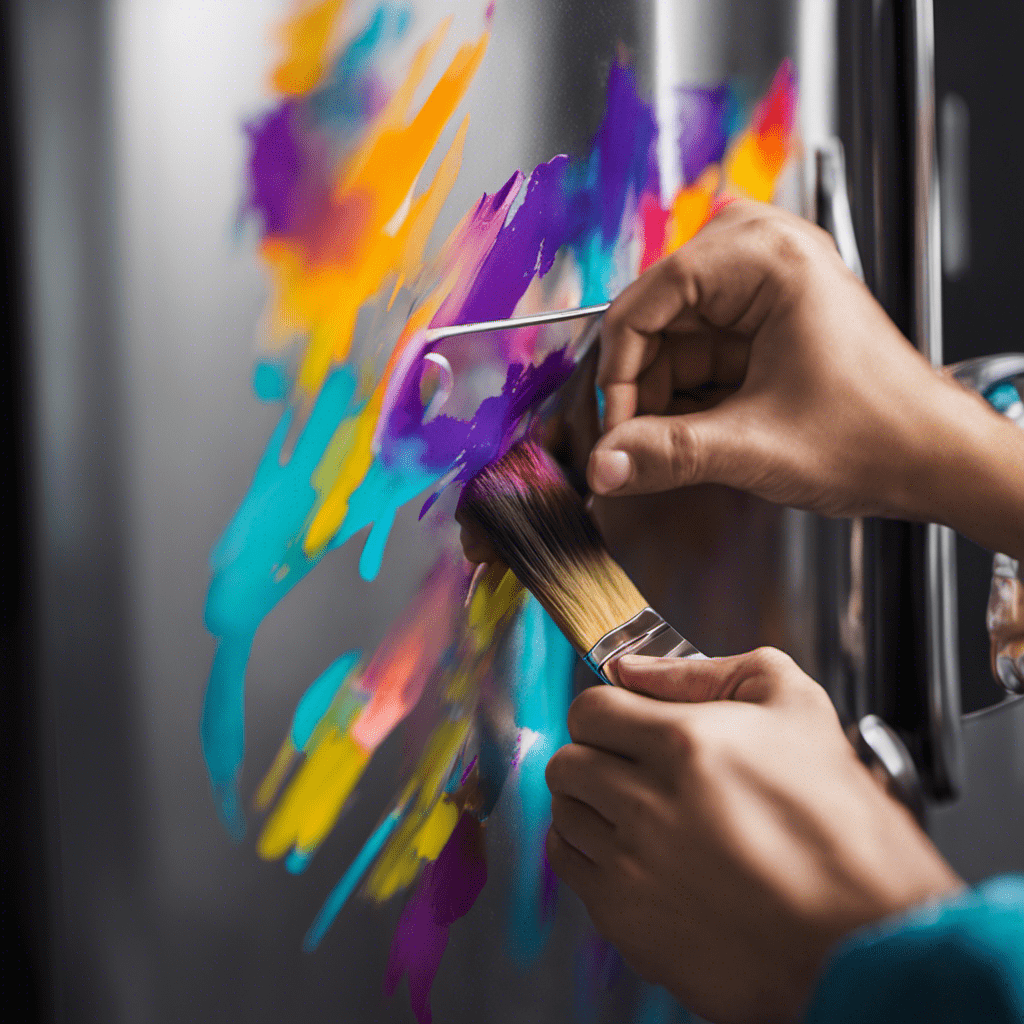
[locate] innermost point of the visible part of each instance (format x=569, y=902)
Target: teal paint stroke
x=339, y=895
x=270, y=381
x=349, y=96
x=541, y=684
x=376, y=501
x=316, y=701
x=256, y=562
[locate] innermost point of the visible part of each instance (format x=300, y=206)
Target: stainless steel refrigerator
x=132, y=432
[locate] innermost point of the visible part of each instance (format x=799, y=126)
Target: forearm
x=972, y=477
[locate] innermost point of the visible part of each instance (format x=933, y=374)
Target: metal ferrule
x=646, y=633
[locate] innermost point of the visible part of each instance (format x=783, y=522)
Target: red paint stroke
x=653, y=221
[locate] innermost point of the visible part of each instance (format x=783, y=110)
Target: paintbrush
x=539, y=527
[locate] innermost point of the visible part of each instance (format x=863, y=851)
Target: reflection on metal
x=851, y=625
x=945, y=744
x=985, y=372
x=955, y=192
x=841, y=543
x=881, y=749
x=832, y=202
x=1005, y=621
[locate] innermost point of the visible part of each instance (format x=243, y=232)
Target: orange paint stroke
x=306, y=37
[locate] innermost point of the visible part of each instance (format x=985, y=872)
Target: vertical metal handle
x=877, y=743
x=944, y=748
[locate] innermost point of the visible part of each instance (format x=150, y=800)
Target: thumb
x=757, y=677
x=659, y=453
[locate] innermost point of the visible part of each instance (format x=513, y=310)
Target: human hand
x=722, y=833
x=816, y=398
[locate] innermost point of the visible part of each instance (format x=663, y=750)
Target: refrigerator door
x=143, y=297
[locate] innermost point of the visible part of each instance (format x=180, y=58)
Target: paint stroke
x=447, y=890
x=541, y=687
x=336, y=183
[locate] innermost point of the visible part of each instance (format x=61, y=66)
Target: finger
x=757, y=677
x=694, y=367
x=618, y=721
x=582, y=828
x=595, y=777
x=700, y=358
x=727, y=276
x=660, y=453
x=575, y=428
x=475, y=546
x=580, y=874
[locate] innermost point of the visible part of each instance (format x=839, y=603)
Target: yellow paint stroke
x=387, y=240
x=434, y=832
x=314, y=798
x=755, y=162
x=275, y=776
x=691, y=209
x=306, y=37
x=350, y=473
x=492, y=605
x=423, y=830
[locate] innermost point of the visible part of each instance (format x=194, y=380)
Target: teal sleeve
x=958, y=961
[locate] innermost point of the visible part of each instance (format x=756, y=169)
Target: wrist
x=965, y=470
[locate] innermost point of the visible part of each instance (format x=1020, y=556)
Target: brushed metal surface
x=143, y=307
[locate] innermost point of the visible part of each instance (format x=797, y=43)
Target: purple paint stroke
x=703, y=126
x=492, y=430
x=446, y=891
x=469, y=247
x=524, y=248
x=549, y=890
x=275, y=167
x=521, y=249
x=624, y=149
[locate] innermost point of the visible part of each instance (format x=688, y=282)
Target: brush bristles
x=538, y=526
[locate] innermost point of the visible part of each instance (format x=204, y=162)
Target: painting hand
x=753, y=357
x=722, y=833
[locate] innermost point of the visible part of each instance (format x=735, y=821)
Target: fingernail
x=612, y=469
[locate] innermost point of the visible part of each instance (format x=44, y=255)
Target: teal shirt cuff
x=958, y=961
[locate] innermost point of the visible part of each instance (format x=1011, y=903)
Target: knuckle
x=582, y=710
x=684, y=456
x=770, y=661
x=813, y=695
x=555, y=772
x=676, y=737
x=786, y=242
